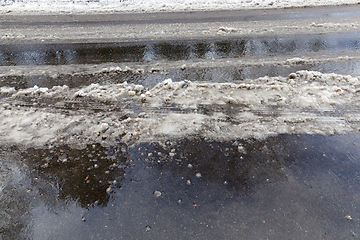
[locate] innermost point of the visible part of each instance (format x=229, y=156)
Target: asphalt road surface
x=156, y=162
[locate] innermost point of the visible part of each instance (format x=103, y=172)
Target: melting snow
x=112, y=6
x=304, y=102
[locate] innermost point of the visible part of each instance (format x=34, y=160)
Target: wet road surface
x=293, y=187
x=150, y=63
x=297, y=186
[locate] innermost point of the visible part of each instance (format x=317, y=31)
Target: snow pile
x=35, y=91
x=303, y=88
x=112, y=6
x=304, y=102
x=109, y=92
x=54, y=71
x=300, y=89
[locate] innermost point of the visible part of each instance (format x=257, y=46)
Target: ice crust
x=304, y=102
x=112, y=6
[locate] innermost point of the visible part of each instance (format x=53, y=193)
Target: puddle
x=154, y=71
x=78, y=65
x=287, y=186
x=65, y=54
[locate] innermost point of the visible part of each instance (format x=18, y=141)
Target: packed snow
x=112, y=6
x=305, y=102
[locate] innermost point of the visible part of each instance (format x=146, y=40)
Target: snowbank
x=304, y=102
x=112, y=6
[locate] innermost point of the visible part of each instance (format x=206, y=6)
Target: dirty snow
x=163, y=68
x=112, y=6
x=304, y=102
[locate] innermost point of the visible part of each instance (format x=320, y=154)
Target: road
x=130, y=28
x=199, y=125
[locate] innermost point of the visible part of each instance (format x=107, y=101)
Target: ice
x=304, y=102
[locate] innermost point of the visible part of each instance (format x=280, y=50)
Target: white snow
x=112, y=6
x=305, y=102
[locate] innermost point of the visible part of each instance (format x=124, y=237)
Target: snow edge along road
x=131, y=28
x=41, y=7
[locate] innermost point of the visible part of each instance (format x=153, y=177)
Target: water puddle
x=230, y=60
x=289, y=185
x=64, y=54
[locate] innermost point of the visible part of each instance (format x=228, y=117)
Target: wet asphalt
x=282, y=187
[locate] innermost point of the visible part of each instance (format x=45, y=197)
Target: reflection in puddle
x=282, y=187
x=84, y=176
x=152, y=63
x=65, y=54
x=16, y=197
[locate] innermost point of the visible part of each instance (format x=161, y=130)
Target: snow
x=112, y=6
x=304, y=102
